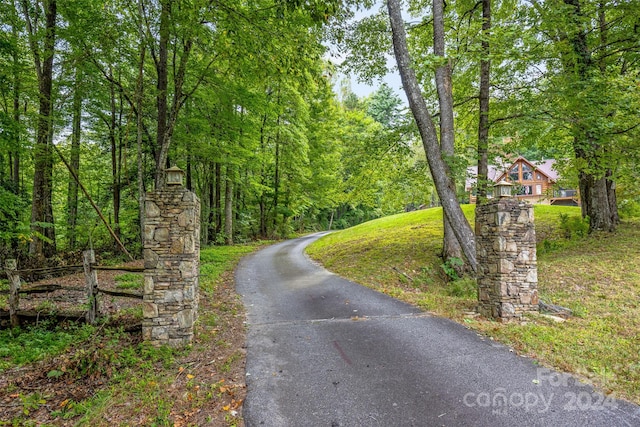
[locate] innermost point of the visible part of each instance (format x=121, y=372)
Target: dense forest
x=99, y=97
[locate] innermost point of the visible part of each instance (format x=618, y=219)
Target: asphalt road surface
x=324, y=351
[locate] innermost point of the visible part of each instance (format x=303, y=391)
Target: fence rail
x=119, y=268
x=91, y=288
x=52, y=287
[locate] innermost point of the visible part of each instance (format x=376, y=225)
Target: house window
x=538, y=177
x=514, y=173
x=538, y=188
x=527, y=172
x=525, y=190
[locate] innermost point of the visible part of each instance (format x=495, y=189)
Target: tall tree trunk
x=483, y=120
x=450, y=246
x=189, y=183
x=211, y=232
x=167, y=118
x=276, y=183
x=14, y=155
x=120, y=147
x=263, y=215
x=612, y=198
x=603, y=29
x=217, y=198
x=263, y=179
x=277, y=172
x=599, y=208
x=49, y=232
x=74, y=162
x=115, y=178
x=439, y=170
x=238, y=200
x=41, y=208
x=597, y=192
x=139, y=124
x=228, y=206
x=161, y=95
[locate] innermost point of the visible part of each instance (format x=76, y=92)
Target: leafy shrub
x=13, y=217
x=548, y=245
x=463, y=288
x=574, y=226
x=451, y=267
x=629, y=208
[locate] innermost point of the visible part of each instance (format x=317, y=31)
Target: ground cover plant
x=129, y=281
x=72, y=374
x=596, y=276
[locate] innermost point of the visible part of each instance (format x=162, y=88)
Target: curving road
x=324, y=351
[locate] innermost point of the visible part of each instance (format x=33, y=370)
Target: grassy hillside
x=598, y=277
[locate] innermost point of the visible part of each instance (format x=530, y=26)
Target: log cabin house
x=535, y=182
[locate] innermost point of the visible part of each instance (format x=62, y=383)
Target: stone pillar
x=172, y=265
x=507, y=266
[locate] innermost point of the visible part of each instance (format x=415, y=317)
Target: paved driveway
x=324, y=351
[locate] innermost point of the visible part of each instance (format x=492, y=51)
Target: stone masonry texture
x=172, y=265
x=507, y=264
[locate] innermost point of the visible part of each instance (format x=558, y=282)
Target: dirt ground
x=30, y=395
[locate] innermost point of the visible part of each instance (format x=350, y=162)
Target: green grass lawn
x=597, y=277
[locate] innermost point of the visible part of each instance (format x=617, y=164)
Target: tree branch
x=122, y=91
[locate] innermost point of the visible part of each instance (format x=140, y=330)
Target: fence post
x=11, y=268
x=91, y=278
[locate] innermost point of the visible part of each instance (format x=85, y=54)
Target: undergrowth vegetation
x=73, y=374
x=19, y=346
x=129, y=281
x=596, y=276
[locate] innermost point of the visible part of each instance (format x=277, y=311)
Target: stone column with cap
x=506, y=253
x=172, y=264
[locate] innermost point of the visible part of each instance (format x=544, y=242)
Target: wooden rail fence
x=91, y=288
